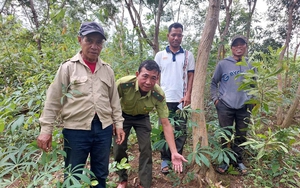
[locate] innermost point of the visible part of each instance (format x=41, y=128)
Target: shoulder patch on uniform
x=127, y=85
x=158, y=96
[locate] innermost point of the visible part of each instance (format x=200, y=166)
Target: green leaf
x=205, y=160
x=2, y=125
x=94, y=183
x=123, y=161
x=226, y=159
x=220, y=159
x=266, y=107
x=284, y=148
x=215, y=155
x=260, y=154
x=17, y=123
x=190, y=157
x=275, y=167
x=197, y=160
x=76, y=92
x=83, y=177
x=69, y=95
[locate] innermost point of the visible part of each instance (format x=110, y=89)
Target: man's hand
x=216, y=102
x=44, y=142
x=177, y=160
x=186, y=100
x=120, y=135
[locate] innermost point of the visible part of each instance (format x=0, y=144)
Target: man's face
x=91, y=46
x=146, y=79
x=175, y=37
x=238, y=48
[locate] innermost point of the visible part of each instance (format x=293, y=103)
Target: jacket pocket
x=106, y=81
x=79, y=85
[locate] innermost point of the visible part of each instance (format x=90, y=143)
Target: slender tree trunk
x=221, y=49
x=296, y=51
x=200, y=132
x=2, y=8
x=36, y=23
x=140, y=39
x=120, y=28
x=157, y=24
x=291, y=112
x=135, y=17
x=251, y=12
x=291, y=7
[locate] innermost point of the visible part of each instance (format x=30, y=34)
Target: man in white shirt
x=177, y=73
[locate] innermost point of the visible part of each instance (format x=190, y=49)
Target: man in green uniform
x=139, y=95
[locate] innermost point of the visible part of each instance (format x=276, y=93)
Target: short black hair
x=175, y=25
x=149, y=65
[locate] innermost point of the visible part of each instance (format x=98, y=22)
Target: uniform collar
x=78, y=58
x=138, y=90
x=174, y=55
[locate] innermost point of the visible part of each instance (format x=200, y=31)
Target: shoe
x=222, y=168
x=164, y=167
x=123, y=184
x=242, y=168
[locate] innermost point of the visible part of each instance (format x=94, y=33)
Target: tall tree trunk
x=2, y=8
x=135, y=17
x=291, y=112
x=200, y=132
x=251, y=8
x=119, y=26
x=221, y=49
x=157, y=24
x=291, y=8
x=36, y=23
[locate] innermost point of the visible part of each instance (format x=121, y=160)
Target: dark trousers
x=78, y=144
x=142, y=127
x=227, y=117
x=179, y=141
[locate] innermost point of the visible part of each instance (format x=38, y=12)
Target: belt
x=138, y=116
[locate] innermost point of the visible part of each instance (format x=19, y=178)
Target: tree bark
x=200, y=132
x=221, y=49
x=36, y=23
x=138, y=26
x=2, y=8
x=157, y=24
x=291, y=112
x=251, y=12
x=291, y=8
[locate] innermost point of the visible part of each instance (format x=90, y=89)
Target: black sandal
x=222, y=168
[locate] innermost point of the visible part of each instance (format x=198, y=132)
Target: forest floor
x=160, y=180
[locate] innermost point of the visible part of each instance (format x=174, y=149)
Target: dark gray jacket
x=224, y=84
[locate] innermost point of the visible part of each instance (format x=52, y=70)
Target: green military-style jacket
x=133, y=103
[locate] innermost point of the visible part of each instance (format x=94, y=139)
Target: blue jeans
x=78, y=144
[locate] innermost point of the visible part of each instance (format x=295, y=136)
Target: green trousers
x=142, y=127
